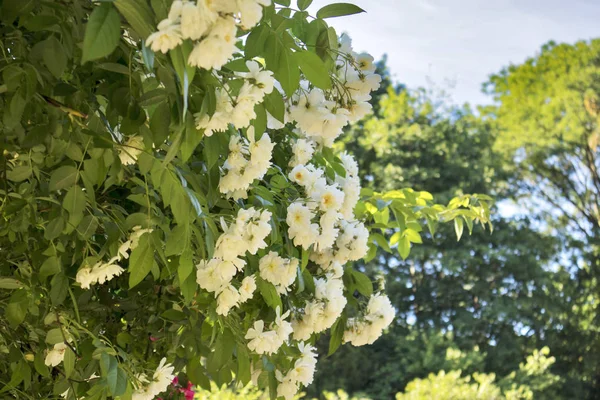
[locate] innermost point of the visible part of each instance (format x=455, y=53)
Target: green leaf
x=38, y=364
x=54, y=56
x=11, y=9
x=50, y=267
x=288, y=73
x=54, y=336
x=338, y=10
x=69, y=362
x=458, y=228
x=269, y=294
x=196, y=374
x=152, y=97
x=10, y=283
x=243, y=365
x=404, y=247
x=363, y=283
x=102, y=33
x=337, y=334
x=177, y=240
x=63, y=177
x=186, y=265
x=223, y=351
x=74, y=203
x=304, y=4
x=58, y=289
x=159, y=123
x=19, y=173
x=121, y=383
x=255, y=43
x=313, y=68
x=275, y=105
x=381, y=242
x=138, y=14
x=109, y=367
x=87, y=227
x=141, y=261
x=413, y=236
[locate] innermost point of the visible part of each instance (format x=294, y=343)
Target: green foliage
x=447, y=386
x=100, y=151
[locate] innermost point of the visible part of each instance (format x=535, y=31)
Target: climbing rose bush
x=173, y=209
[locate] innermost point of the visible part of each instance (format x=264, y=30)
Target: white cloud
x=463, y=40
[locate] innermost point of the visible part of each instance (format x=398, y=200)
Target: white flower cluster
x=302, y=372
x=323, y=310
x=279, y=271
x=246, y=234
x=367, y=328
x=102, y=272
x=248, y=160
x=212, y=25
x=239, y=111
x=332, y=205
x=321, y=115
x=269, y=341
x=162, y=378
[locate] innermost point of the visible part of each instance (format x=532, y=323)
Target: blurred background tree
x=521, y=304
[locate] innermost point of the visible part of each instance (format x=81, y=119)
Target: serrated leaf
x=102, y=33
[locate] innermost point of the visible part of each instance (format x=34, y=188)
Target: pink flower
x=153, y=339
x=175, y=381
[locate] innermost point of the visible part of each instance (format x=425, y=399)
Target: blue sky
x=456, y=44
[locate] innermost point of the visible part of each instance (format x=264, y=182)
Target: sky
x=454, y=45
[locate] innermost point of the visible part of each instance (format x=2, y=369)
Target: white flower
x=220, y=119
x=168, y=37
x=105, y=272
x=227, y=299
x=364, y=62
x=303, y=151
x=85, y=278
x=282, y=327
x=330, y=199
x=262, y=342
x=129, y=153
x=56, y=355
x=162, y=378
x=216, y=48
x=196, y=19
x=279, y=271
x=380, y=311
x=247, y=288
x=137, y=234
x=251, y=12
x=175, y=11
x=287, y=389
x=302, y=372
x=259, y=78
